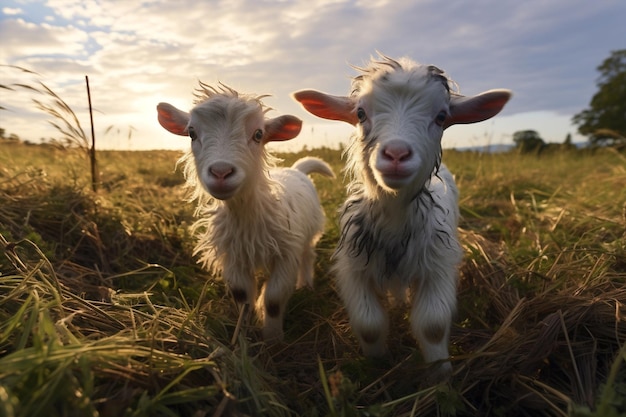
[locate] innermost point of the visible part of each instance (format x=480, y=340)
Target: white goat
x=261, y=217
x=399, y=225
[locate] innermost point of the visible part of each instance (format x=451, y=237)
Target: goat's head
x=400, y=109
x=228, y=134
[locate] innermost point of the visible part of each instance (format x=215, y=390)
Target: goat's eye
x=258, y=135
x=441, y=118
x=360, y=114
x=192, y=133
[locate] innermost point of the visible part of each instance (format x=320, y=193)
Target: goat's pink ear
x=282, y=128
x=464, y=110
x=327, y=106
x=172, y=119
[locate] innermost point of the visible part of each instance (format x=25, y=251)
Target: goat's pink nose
x=396, y=151
x=221, y=170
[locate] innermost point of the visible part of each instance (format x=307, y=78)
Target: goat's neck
x=394, y=201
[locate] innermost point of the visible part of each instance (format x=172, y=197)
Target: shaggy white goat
x=399, y=225
x=261, y=217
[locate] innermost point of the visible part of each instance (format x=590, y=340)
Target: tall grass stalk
x=64, y=119
x=92, y=149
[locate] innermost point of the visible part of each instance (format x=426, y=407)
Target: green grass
x=105, y=312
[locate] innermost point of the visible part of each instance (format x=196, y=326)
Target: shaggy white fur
x=252, y=215
x=399, y=223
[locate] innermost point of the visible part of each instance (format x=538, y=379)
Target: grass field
x=104, y=311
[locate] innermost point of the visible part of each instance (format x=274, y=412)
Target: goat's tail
x=309, y=165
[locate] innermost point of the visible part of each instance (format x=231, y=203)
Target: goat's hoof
x=438, y=373
x=273, y=335
x=374, y=350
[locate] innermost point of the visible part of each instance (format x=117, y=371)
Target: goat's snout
x=221, y=170
x=396, y=151
x=394, y=164
x=222, y=180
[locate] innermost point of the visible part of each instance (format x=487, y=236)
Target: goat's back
x=298, y=196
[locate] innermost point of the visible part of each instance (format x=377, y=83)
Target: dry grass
x=104, y=312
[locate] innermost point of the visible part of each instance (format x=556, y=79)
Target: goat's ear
x=172, y=119
x=464, y=110
x=282, y=128
x=327, y=106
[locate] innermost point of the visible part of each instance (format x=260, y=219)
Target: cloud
x=22, y=39
x=139, y=53
x=12, y=11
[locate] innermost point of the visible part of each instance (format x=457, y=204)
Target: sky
x=139, y=53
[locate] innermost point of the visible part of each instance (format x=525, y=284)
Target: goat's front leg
x=433, y=305
x=275, y=294
x=241, y=283
x=368, y=318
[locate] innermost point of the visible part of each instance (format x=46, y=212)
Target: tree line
x=603, y=122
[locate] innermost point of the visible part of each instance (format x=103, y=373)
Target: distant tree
x=567, y=143
x=604, y=122
x=568, y=140
x=527, y=141
x=2, y=132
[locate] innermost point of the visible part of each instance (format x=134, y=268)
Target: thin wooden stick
x=92, y=151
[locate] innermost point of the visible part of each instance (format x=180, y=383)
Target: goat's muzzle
x=220, y=181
